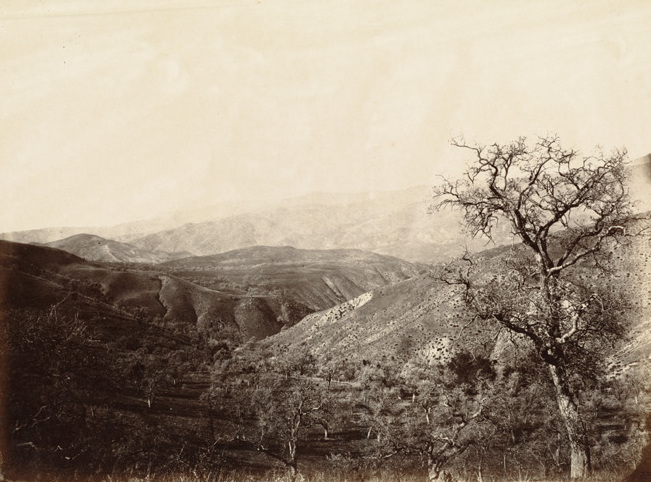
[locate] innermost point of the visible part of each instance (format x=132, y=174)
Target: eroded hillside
x=425, y=317
x=314, y=279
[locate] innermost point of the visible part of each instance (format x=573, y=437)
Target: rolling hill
x=36, y=277
x=314, y=279
x=253, y=292
x=96, y=248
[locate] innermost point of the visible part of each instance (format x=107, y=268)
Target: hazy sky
x=118, y=110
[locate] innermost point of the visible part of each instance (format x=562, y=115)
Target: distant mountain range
x=391, y=223
x=364, y=226
x=394, y=223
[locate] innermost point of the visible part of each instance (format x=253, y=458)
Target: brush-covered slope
x=96, y=248
x=426, y=318
x=420, y=318
x=84, y=376
x=316, y=279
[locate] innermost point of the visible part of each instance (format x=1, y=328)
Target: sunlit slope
x=426, y=318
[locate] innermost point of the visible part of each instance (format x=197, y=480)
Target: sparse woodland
x=543, y=379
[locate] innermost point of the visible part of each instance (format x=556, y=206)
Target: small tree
x=445, y=416
x=282, y=408
x=275, y=404
x=565, y=208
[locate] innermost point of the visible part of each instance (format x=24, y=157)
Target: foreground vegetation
x=78, y=413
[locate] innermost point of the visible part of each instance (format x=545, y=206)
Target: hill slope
x=317, y=279
x=36, y=277
x=426, y=318
x=96, y=248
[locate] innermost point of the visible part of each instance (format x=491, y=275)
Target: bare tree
x=282, y=408
x=275, y=404
x=442, y=420
x=565, y=208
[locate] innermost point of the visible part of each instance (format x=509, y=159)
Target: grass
x=279, y=475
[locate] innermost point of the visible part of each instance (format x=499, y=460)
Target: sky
x=117, y=110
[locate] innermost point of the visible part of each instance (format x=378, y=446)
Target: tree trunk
x=434, y=470
x=292, y=462
x=480, y=475
x=434, y=474
x=579, y=448
x=292, y=470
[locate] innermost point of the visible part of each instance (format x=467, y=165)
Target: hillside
x=96, y=248
x=421, y=319
x=36, y=277
x=640, y=183
x=426, y=319
x=252, y=292
x=315, y=279
x=125, y=352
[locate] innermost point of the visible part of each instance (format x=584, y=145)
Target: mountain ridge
x=394, y=223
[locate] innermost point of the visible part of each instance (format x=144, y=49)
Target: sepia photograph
x=325, y=241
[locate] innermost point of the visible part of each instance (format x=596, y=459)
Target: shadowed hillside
x=36, y=277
